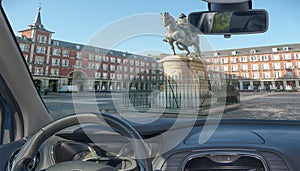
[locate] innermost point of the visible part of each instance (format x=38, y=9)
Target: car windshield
x=115, y=57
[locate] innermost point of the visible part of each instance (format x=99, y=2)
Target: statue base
x=186, y=80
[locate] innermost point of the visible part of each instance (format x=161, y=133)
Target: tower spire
x=38, y=21
x=36, y=28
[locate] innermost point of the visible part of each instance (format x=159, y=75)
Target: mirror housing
x=228, y=5
x=230, y=22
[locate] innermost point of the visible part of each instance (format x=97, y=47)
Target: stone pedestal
x=186, y=81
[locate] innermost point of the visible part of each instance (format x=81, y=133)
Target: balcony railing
x=25, y=49
x=56, y=54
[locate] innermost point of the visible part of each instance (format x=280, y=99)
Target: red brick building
x=269, y=67
x=54, y=63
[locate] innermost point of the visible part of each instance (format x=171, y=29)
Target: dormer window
x=23, y=37
x=233, y=52
x=55, y=43
x=216, y=54
x=285, y=48
x=97, y=50
x=253, y=51
x=274, y=49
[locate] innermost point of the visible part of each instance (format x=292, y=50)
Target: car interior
x=89, y=141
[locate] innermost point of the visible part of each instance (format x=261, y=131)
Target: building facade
x=54, y=63
x=265, y=68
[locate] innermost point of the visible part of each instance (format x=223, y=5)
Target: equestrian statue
x=181, y=33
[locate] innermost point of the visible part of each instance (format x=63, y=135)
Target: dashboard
x=64, y=151
x=242, y=146
x=90, y=143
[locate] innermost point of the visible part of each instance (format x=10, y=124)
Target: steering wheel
x=30, y=148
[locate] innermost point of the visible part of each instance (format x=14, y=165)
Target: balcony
x=55, y=64
x=77, y=66
x=56, y=54
x=41, y=51
x=39, y=63
x=42, y=42
x=65, y=65
x=66, y=55
x=38, y=73
x=25, y=49
x=54, y=74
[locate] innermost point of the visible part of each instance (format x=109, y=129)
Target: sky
x=135, y=25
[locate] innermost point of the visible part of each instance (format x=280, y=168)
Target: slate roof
x=247, y=51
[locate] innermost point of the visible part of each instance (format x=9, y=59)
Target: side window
x=11, y=121
x=6, y=129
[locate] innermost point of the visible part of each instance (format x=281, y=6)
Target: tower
x=36, y=31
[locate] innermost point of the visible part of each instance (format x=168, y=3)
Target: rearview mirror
x=230, y=22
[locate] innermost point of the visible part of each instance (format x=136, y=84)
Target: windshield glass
x=115, y=57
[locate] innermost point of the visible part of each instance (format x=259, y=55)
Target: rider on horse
x=184, y=24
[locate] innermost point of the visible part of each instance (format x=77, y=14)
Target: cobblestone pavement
x=63, y=104
x=268, y=105
x=259, y=105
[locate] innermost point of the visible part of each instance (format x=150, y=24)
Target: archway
x=53, y=85
x=78, y=78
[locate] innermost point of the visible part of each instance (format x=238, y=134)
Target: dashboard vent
x=219, y=161
x=32, y=165
x=174, y=162
x=274, y=161
x=225, y=161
